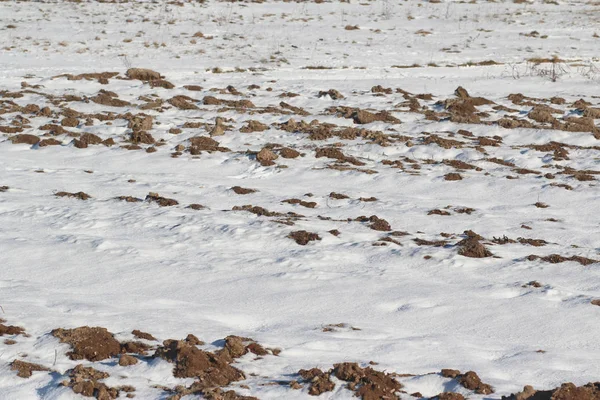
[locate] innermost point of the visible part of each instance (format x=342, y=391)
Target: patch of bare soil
x=362, y=117
x=449, y=396
x=367, y=383
x=307, y=204
x=86, y=382
x=129, y=199
x=10, y=329
x=286, y=152
x=198, y=144
x=126, y=360
x=143, y=74
x=254, y=126
x=320, y=381
x=471, y=381
x=183, y=102
x=241, y=190
x=266, y=157
x=161, y=201
x=303, y=237
x=378, y=224
x=470, y=247
x=90, y=343
x=453, y=176
x=557, y=258
x=336, y=154
x=338, y=196
x=26, y=369
x=567, y=391
x=24, y=138
x=85, y=140
x=78, y=195
x=109, y=99
x=332, y=93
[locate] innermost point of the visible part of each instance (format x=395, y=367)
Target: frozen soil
x=256, y=172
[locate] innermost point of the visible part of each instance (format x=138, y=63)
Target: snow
x=215, y=272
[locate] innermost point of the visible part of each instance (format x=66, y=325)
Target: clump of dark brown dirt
x=24, y=138
x=211, y=369
x=338, y=196
x=86, y=139
x=85, y=381
x=381, y=89
x=254, y=126
x=196, y=206
x=567, y=391
x=376, y=223
x=450, y=373
x=532, y=242
x=453, y=176
x=336, y=154
x=199, y=144
x=367, y=383
x=241, y=190
x=303, y=237
x=557, y=258
x=143, y=74
x=140, y=122
x=320, y=381
x=161, y=201
x=595, y=302
x=449, y=396
x=286, y=152
x=266, y=157
x=10, y=329
x=3, y=188
x=307, y=204
x=25, y=369
x=78, y=195
x=183, y=102
x=126, y=360
x=129, y=199
x=90, y=343
x=135, y=348
x=471, y=381
x=438, y=212
x=109, y=99
x=470, y=247
x=332, y=93
x=434, y=243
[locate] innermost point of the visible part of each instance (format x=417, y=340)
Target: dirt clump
x=129, y=199
x=241, y=190
x=338, y=196
x=10, y=329
x=143, y=74
x=193, y=88
x=376, y=223
x=26, y=369
x=381, y=89
x=211, y=369
x=470, y=247
x=449, y=396
x=254, y=126
x=85, y=140
x=198, y=144
x=557, y=258
x=470, y=380
x=140, y=122
x=126, y=360
x=367, y=383
x=453, y=176
x=78, y=195
x=108, y=99
x=567, y=391
x=532, y=242
x=266, y=157
x=307, y=204
x=438, y=212
x=332, y=93
x=4, y=188
x=320, y=381
x=85, y=381
x=161, y=201
x=450, y=373
x=336, y=154
x=303, y=237
x=90, y=343
x=182, y=102
x=24, y=138
x=595, y=302
x=70, y=122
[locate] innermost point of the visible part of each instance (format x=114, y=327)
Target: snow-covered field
x=439, y=159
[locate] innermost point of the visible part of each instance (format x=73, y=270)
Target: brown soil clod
x=86, y=382
x=161, y=201
x=126, y=360
x=90, y=343
x=470, y=247
x=332, y=93
x=266, y=157
x=241, y=190
x=567, y=391
x=24, y=138
x=26, y=369
x=303, y=237
x=11, y=329
x=470, y=380
x=367, y=383
x=557, y=258
x=78, y=195
x=211, y=369
x=320, y=381
x=307, y=204
x=143, y=74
